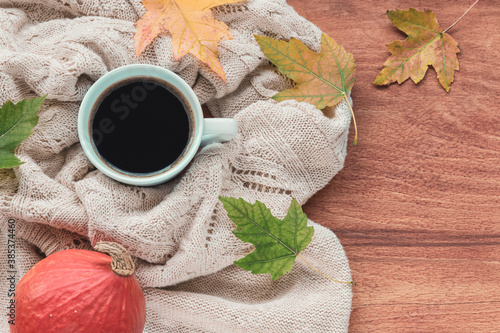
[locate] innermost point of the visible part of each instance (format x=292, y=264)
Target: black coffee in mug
x=141, y=125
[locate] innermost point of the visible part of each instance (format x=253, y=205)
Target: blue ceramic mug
x=202, y=131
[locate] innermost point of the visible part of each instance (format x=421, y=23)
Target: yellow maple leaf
x=426, y=44
x=193, y=27
x=322, y=79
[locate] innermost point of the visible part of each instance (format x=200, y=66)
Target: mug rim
x=126, y=72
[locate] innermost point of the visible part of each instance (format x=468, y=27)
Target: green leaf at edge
x=277, y=243
x=16, y=124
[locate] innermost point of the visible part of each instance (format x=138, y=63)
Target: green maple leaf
x=277, y=243
x=16, y=124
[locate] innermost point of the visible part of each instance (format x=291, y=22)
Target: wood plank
x=417, y=206
x=411, y=318
x=426, y=281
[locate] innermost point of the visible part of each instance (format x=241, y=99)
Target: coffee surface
x=140, y=125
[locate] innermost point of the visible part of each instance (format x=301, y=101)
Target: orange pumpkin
x=81, y=291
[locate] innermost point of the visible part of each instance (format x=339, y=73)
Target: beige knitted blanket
x=178, y=232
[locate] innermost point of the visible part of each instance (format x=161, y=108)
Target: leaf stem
x=329, y=278
x=451, y=26
x=353, y=119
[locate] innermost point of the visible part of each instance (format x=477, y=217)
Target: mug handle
x=218, y=130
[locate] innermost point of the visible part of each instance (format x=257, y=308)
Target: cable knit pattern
x=178, y=232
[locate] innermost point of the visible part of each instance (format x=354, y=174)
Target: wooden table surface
x=417, y=205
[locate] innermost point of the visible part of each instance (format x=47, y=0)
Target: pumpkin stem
x=122, y=263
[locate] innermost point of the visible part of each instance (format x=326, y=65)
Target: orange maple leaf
x=426, y=44
x=193, y=27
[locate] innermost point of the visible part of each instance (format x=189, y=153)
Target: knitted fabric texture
x=178, y=233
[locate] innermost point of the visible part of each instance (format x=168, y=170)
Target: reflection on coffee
x=141, y=125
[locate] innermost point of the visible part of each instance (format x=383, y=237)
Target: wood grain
x=417, y=205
